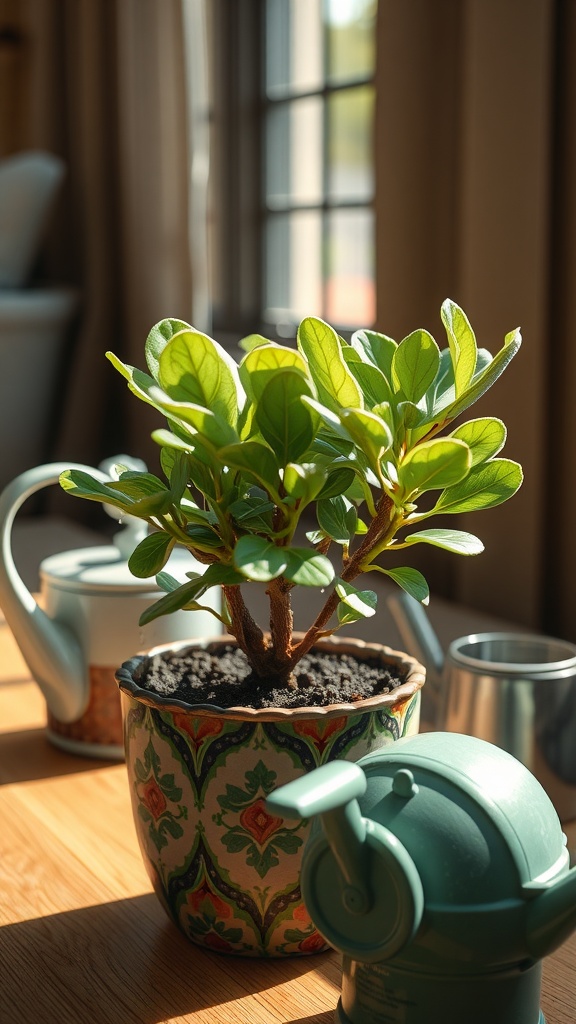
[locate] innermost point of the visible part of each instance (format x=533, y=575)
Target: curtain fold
x=467, y=150
x=105, y=87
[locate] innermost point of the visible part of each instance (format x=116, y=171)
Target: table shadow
x=27, y=755
x=124, y=962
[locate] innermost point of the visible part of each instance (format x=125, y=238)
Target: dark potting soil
x=222, y=676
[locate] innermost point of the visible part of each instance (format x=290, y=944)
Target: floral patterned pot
x=225, y=869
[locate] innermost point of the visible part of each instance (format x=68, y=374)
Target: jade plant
x=339, y=437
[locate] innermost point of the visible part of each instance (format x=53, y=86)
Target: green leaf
x=82, y=485
x=151, y=555
x=368, y=431
x=308, y=568
x=412, y=581
x=195, y=369
x=354, y=604
x=216, y=574
x=332, y=514
x=284, y=421
x=258, y=559
x=415, y=365
x=375, y=386
x=211, y=427
x=139, y=382
x=458, y=541
x=438, y=463
x=304, y=481
x=375, y=348
x=484, y=380
x=486, y=485
x=485, y=437
x=262, y=363
x=337, y=387
x=255, y=459
x=252, y=341
x=462, y=344
x=337, y=482
x=253, y=513
x=157, y=340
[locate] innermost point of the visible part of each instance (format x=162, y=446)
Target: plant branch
x=376, y=531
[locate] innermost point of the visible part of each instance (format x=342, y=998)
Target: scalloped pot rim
x=416, y=674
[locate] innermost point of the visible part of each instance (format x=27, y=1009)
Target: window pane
x=350, y=151
x=294, y=46
x=293, y=285
x=350, y=291
x=350, y=29
x=294, y=152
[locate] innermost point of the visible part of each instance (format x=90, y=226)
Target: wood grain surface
x=83, y=940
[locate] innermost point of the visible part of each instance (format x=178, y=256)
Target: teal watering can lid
x=515, y=803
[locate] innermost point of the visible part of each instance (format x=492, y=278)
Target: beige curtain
x=104, y=85
x=476, y=162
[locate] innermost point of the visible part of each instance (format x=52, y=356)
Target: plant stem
x=374, y=535
x=247, y=633
x=281, y=625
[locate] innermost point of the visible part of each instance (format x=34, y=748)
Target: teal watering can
x=439, y=869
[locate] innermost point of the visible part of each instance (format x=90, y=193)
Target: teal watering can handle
x=332, y=792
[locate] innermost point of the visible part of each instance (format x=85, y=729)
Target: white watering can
x=87, y=621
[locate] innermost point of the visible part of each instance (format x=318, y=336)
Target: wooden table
x=83, y=940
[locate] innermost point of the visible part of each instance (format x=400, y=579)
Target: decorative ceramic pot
x=225, y=869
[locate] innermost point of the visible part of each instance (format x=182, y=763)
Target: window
x=294, y=186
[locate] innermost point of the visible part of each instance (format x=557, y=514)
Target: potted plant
x=345, y=435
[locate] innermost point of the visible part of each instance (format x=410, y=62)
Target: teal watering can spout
x=334, y=798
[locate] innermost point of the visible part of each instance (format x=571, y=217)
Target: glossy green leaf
x=157, y=340
x=486, y=485
x=375, y=386
x=434, y=464
x=253, y=341
x=210, y=426
x=411, y=580
x=151, y=555
x=415, y=365
x=308, y=568
x=258, y=559
x=368, y=431
x=334, y=519
x=253, y=513
x=485, y=437
x=354, y=604
x=337, y=386
x=375, y=348
x=337, y=482
x=286, y=423
x=254, y=459
x=484, y=380
x=304, y=481
x=458, y=541
x=462, y=344
x=139, y=382
x=82, y=485
x=216, y=575
x=197, y=370
x=261, y=363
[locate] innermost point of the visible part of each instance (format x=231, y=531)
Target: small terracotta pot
x=225, y=869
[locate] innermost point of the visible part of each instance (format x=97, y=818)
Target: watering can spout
x=552, y=916
x=421, y=641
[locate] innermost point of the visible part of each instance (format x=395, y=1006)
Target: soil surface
x=222, y=676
